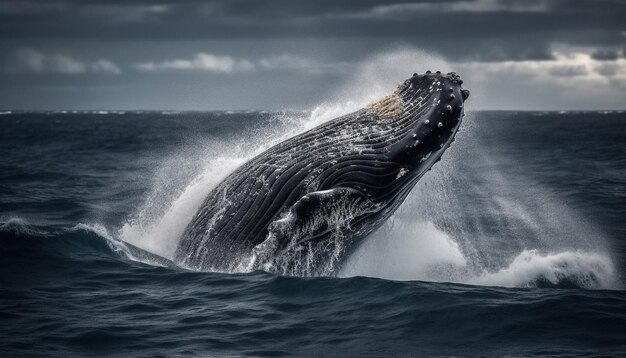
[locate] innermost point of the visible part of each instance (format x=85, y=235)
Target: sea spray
x=161, y=219
x=479, y=225
x=437, y=235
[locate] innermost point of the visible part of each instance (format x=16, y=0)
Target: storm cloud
x=198, y=54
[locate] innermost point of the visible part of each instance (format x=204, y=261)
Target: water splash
x=469, y=221
x=374, y=78
x=115, y=245
x=407, y=250
x=159, y=233
x=531, y=268
x=508, y=232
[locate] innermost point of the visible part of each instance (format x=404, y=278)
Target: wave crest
x=569, y=268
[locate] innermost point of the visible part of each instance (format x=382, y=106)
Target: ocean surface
x=513, y=245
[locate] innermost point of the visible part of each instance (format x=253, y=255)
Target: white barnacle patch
x=402, y=172
x=388, y=106
x=424, y=158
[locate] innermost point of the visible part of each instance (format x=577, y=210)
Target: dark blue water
x=514, y=245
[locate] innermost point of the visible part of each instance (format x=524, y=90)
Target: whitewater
x=428, y=238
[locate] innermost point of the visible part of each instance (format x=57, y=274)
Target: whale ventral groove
x=302, y=205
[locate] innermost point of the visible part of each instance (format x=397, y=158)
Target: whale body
x=303, y=205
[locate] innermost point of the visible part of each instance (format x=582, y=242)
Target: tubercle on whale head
x=434, y=104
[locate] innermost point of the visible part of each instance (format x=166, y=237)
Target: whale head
x=427, y=110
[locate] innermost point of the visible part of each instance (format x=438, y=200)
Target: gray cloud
x=32, y=61
x=170, y=19
x=194, y=54
x=404, y=10
x=201, y=61
x=224, y=64
x=485, y=30
x=568, y=71
x=606, y=54
x=104, y=66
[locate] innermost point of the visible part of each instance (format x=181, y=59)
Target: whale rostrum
x=304, y=204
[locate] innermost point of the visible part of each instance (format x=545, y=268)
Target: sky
x=287, y=54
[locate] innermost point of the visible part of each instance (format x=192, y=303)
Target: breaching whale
x=301, y=206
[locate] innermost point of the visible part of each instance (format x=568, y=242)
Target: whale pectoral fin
x=317, y=213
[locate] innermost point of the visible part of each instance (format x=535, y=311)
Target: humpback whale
x=300, y=207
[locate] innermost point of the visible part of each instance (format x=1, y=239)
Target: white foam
x=420, y=251
x=114, y=244
x=19, y=225
x=184, y=181
x=13, y=221
x=406, y=250
x=160, y=234
x=585, y=269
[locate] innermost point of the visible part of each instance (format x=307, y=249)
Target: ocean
x=513, y=245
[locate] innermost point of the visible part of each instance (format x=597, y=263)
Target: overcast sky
x=208, y=55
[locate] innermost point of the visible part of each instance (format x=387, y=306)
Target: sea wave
x=440, y=259
x=569, y=268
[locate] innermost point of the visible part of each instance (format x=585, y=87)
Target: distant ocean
x=513, y=245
